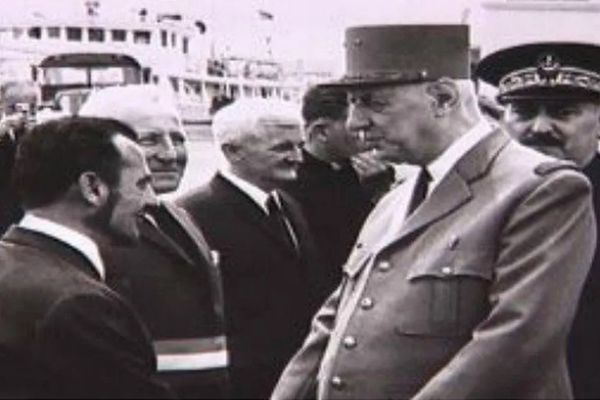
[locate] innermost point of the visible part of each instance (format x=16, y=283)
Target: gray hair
x=120, y=102
x=241, y=119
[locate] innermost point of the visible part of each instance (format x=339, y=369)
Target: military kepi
x=387, y=54
x=544, y=70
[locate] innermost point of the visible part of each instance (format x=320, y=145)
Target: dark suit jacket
x=471, y=297
x=63, y=333
x=172, y=282
x=335, y=206
x=267, y=286
x=584, y=339
x=10, y=210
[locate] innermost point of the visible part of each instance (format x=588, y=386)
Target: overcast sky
x=313, y=30
x=300, y=29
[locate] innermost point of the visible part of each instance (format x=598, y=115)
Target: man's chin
x=165, y=184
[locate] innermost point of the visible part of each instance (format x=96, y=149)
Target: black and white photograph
x=284, y=199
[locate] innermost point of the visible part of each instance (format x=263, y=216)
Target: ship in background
x=68, y=57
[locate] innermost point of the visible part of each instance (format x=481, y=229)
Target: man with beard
x=267, y=256
x=63, y=332
x=551, y=94
x=464, y=279
x=170, y=276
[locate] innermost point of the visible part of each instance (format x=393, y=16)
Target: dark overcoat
x=173, y=283
x=63, y=332
x=267, y=286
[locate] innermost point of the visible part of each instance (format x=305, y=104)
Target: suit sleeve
x=92, y=347
x=545, y=251
x=299, y=378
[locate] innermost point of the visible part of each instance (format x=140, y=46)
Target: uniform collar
x=439, y=167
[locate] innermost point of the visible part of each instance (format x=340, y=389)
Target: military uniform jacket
x=268, y=293
x=63, y=333
x=171, y=280
x=473, y=297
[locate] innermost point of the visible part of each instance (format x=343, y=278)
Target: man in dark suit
x=266, y=252
x=557, y=112
x=464, y=279
x=334, y=200
x=63, y=332
x=169, y=276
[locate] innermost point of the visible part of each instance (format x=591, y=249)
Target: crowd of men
x=315, y=263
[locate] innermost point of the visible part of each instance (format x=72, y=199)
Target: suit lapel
x=184, y=221
x=246, y=209
x=149, y=231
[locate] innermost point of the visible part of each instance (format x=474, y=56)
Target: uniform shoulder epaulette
x=548, y=167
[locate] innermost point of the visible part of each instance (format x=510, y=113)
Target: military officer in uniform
x=464, y=280
x=551, y=94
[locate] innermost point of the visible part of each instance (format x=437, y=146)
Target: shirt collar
x=258, y=195
x=439, y=167
x=77, y=240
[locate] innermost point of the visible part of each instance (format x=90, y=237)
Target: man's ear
x=444, y=96
x=94, y=190
x=232, y=152
x=318, y=129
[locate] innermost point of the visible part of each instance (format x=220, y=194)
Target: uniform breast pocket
x=446, y=297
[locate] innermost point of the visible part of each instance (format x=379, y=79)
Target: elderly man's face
x=162, y=138
x=392, y=120
x=273, y=154
x=560, y=128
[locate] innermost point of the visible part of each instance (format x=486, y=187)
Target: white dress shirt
x=70, y=237
x=258, y=195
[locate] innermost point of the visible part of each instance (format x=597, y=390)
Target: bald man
x=171, y=276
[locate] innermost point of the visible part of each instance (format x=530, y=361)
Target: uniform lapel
x=186, y=224
x=454, y=190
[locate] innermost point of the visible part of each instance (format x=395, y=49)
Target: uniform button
x=349, y=342
x=447, y=270
x=367, y=303
x=384, y=265
x=337, y=382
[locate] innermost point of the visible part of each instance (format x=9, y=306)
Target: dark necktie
x=280, y=223
x=420, y=191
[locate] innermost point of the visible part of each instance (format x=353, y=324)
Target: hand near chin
x=375, y=175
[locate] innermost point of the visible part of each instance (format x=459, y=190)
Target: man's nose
x=357, y=119
x=166, y=150
x=296, y=155
x=542, y=123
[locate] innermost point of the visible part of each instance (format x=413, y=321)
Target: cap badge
x=548, y=67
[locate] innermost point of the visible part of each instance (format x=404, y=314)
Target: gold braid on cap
x=549, y=73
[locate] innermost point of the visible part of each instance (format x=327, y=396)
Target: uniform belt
x=191, y=354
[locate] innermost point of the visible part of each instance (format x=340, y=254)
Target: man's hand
x=375, y=175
